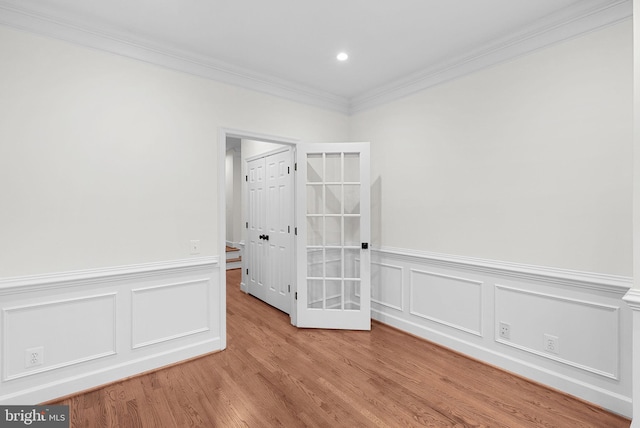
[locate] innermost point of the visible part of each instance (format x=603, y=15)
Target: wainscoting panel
x=170, y=311
x=88, y=320
x=583, y=334
x=97, y=326
x=459, y=303
x=386, y=285
x=448, y=300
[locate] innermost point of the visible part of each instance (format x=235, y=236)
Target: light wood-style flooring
x=274, y=375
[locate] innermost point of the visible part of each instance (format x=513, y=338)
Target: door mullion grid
x=324, y=231
x=342, y=254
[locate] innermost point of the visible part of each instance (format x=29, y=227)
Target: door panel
x=256, y=256
x=334, y=227
x=270, y=262
x=278, y=229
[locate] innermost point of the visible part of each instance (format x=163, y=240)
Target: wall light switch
x=194, y=246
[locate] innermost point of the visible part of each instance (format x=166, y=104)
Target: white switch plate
x=194, y=246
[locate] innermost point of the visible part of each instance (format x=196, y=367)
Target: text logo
x=34, y=416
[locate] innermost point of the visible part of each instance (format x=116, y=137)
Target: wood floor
x=272, y=374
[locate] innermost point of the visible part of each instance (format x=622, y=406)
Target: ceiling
x=290, y=46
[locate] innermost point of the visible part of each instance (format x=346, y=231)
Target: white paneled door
x=333, y=219
x=270, y=220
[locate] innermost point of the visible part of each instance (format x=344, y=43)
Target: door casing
x=223, y=134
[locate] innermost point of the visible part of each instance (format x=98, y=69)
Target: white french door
x=333, y=219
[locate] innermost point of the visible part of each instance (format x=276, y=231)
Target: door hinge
x=295, y=166
x=246, y=178
x=289, y=288
x=296, y=295
x=295, y=230
x=288, y=229
x=247, y=271
x=288, y=170
x=247, y=225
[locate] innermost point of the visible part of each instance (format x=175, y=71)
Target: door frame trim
x=265, y=154
x=223, y=134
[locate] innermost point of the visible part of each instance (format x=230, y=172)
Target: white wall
x=633, y=296
x=233, y=173
x=528, y=161
x=636, y=151
x=238, y=226
x=229, y=194
x=108, y=168
x=506, y=197
x=109, y=161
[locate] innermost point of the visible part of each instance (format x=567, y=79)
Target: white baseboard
x=124, y=321
x=458, y=302
x=90, y=379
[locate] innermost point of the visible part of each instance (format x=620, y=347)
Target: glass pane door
x=333, y=286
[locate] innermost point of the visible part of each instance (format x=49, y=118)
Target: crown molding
x=18, y=16
x=580, y=18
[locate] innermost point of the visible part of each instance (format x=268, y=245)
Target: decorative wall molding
x=585, y=310
x=449, y=279
x=615, y=310
x=577, y=19
x=22, y=284
x=632, y=298
x=7, y=324
x=398, y=282
x=615, y=284
x=27, y=17
x=106, y=346
x=143, y=322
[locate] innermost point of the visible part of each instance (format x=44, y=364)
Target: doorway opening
x=329, y=262
x=254, y=227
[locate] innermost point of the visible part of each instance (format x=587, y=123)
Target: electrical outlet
x=194, y=246
x=551, y=344
x=504, y=330
x=33, y=357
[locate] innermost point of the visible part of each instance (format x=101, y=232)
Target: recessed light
x=342, y=56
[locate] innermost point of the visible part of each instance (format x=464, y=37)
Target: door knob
x=266, y=237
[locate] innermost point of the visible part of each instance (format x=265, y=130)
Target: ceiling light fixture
x=342, y=56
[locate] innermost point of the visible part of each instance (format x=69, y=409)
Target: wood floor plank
x=273, y=374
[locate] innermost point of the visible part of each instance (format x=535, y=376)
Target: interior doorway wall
x=233, y=191
x=234, y=207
